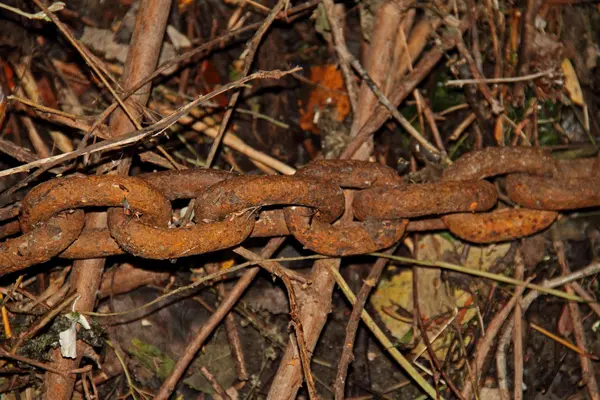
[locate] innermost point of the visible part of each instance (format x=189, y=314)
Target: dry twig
x=352, y=326
x=248, y=55
x=192, y=348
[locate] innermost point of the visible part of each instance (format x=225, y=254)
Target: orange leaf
x=329, y=89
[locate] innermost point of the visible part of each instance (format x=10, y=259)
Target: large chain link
x=229, y=208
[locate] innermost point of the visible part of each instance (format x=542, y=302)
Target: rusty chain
x=229, y=208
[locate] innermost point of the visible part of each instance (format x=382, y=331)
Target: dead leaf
x=329, y=90
x=565, y=323
x=62, y=141
x=572, y=83
x=533, y=250
x=393, y=298
x=179, y=40
x=499, y=131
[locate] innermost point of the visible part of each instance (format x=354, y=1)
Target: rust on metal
x=162, y=243
x=417, y=200
x=99, y=242
x=93, y=243
x=9, y=229
x=62, y=194
x=186, y=184
x=498, y=225
x=227, y=206
x=553, y=193
x=426, y=224
x=353, y=237
x=251, y=192
x=353, y=173
x=174, y=185
x=131, y=195
x=41, y=243
x=494, y=161
x=270, y=223
x=575, y=168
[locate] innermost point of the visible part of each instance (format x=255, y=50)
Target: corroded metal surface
x=146, y=241
x=352, y=173
x=553, y=193
x=42, y=242
x=507, y=224
x=417, y=200
x=498, y=226
x=230, y=208
x=352, y=237
x=577, y=168
x=494, y=161
x=132, y=195
x=186, y=184
x=61, y=194
x=253, y=192
x=94, y=243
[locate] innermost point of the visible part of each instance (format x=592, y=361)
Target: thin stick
x=43, y=108
x=337, y=32
x=517, y=333
x=206, y=47
x=461, y=82
x=462, y=126
x=526, y=46
x=315, y=301
x=385, y=342
x=495, y=44
x=237, y=144
x=591, y=269
x=249, y=54
x=563, y=341
x=214, y=384
x=136, y=136
x=476, y=73
x=352, y=326
x=425, y=336
x=192, y=348
x=409, y=83
x=41, y=365
x=273, y=267
x=485, y=344
x=587, y=368
x=300, y=338
x=200, y=281
x=501, y=364
x=85, y=54
x=393, y=110
x=233, y=335
x=430, y=117
x=57, y=6
x=592, y=303
x=483, y=274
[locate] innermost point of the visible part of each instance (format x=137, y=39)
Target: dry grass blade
x=483, y=274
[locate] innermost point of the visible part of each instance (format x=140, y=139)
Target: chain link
x=229, y=208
